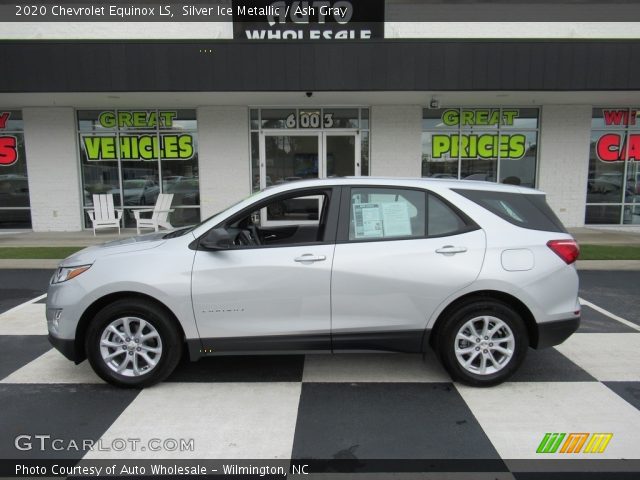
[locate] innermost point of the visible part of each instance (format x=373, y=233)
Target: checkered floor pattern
x=322, y=406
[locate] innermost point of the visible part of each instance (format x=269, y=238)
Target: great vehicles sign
x=170, y=145
x=308, y=19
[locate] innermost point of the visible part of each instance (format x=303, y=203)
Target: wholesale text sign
x=308, y=19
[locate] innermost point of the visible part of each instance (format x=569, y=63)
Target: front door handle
x=310, y=257
x=450, y=250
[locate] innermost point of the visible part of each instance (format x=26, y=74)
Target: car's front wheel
x=483, y=343
x=133, y=343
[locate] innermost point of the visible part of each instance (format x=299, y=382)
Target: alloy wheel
x=484, y=345
x=130, y=346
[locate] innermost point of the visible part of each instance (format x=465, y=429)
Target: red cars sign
x=618, y=146
x=8, y=143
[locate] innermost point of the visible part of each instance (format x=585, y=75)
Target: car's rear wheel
x=133, y=343
x=483, y=343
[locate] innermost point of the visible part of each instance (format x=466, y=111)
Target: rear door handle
x=450, y=250
x=310, y=257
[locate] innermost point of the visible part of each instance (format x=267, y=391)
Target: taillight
x=567, y=250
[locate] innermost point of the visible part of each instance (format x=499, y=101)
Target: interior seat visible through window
x=293, y=220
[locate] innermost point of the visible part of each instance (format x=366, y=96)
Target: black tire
x=150, y=312
x=446, y=342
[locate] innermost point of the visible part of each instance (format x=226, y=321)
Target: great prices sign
x=478, y=145
x=143, y=146
x=8, y=143
x=618, y=146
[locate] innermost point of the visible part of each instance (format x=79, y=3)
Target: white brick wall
x=223, y=152
x=396, y=145
x=53, y=168
x=564, y=160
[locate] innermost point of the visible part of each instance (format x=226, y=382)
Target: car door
x=275, y=294
x=400, y=252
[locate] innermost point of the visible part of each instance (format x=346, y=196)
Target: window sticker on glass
x=367, y=220
x=395, y=219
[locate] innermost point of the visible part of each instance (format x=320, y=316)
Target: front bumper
x=556, y=332
x=63, y=312
x=67, y=347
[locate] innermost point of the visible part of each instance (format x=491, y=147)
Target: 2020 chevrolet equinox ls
x=478, y=271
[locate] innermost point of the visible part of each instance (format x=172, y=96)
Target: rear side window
x=442, y=220
x=379, y=213
x=524, y=210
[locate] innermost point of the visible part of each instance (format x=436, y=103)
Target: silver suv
x=478, y=271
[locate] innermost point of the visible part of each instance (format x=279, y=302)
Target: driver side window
x=293, y=220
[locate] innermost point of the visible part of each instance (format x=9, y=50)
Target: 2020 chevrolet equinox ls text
x=478, y=271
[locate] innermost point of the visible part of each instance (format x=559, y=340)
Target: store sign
x=616, y=147
x=8, y=143
x=309, y=120
x=308, y=19
x=149, y=146
x=479, y=145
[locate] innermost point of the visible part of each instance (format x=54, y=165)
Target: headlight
x=67, y=273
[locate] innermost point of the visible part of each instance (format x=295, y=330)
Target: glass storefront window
x=364, y=118
x=613, y=185
x=523, y=118
x=340, y=117
x=482, y=169
x=14, y=186
x=364, y=151
x=444, y=165
x=255, y=120
x=522, y=171
x=489, y=143
x=137, y=154
x=277, y=118
x=98, y=177
x=255, y=161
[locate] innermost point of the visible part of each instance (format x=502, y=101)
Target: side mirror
x=217, y=239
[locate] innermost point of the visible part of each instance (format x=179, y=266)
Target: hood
x=125, y=245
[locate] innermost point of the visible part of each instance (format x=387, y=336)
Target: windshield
x=182, y=231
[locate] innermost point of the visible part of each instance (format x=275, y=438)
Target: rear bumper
x=66, y=347
x=556, y=332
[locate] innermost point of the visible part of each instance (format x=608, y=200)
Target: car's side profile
x=478, y=271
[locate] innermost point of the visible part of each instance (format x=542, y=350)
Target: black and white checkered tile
x=323, y=406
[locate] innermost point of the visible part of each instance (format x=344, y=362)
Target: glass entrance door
x=341, y=154
x=292, y=156
x=299, y=155
x=288, y=157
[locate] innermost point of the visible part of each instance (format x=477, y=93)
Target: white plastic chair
x=159, y=214
x=104, y=215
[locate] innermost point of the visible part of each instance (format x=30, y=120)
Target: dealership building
x=214, y=110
